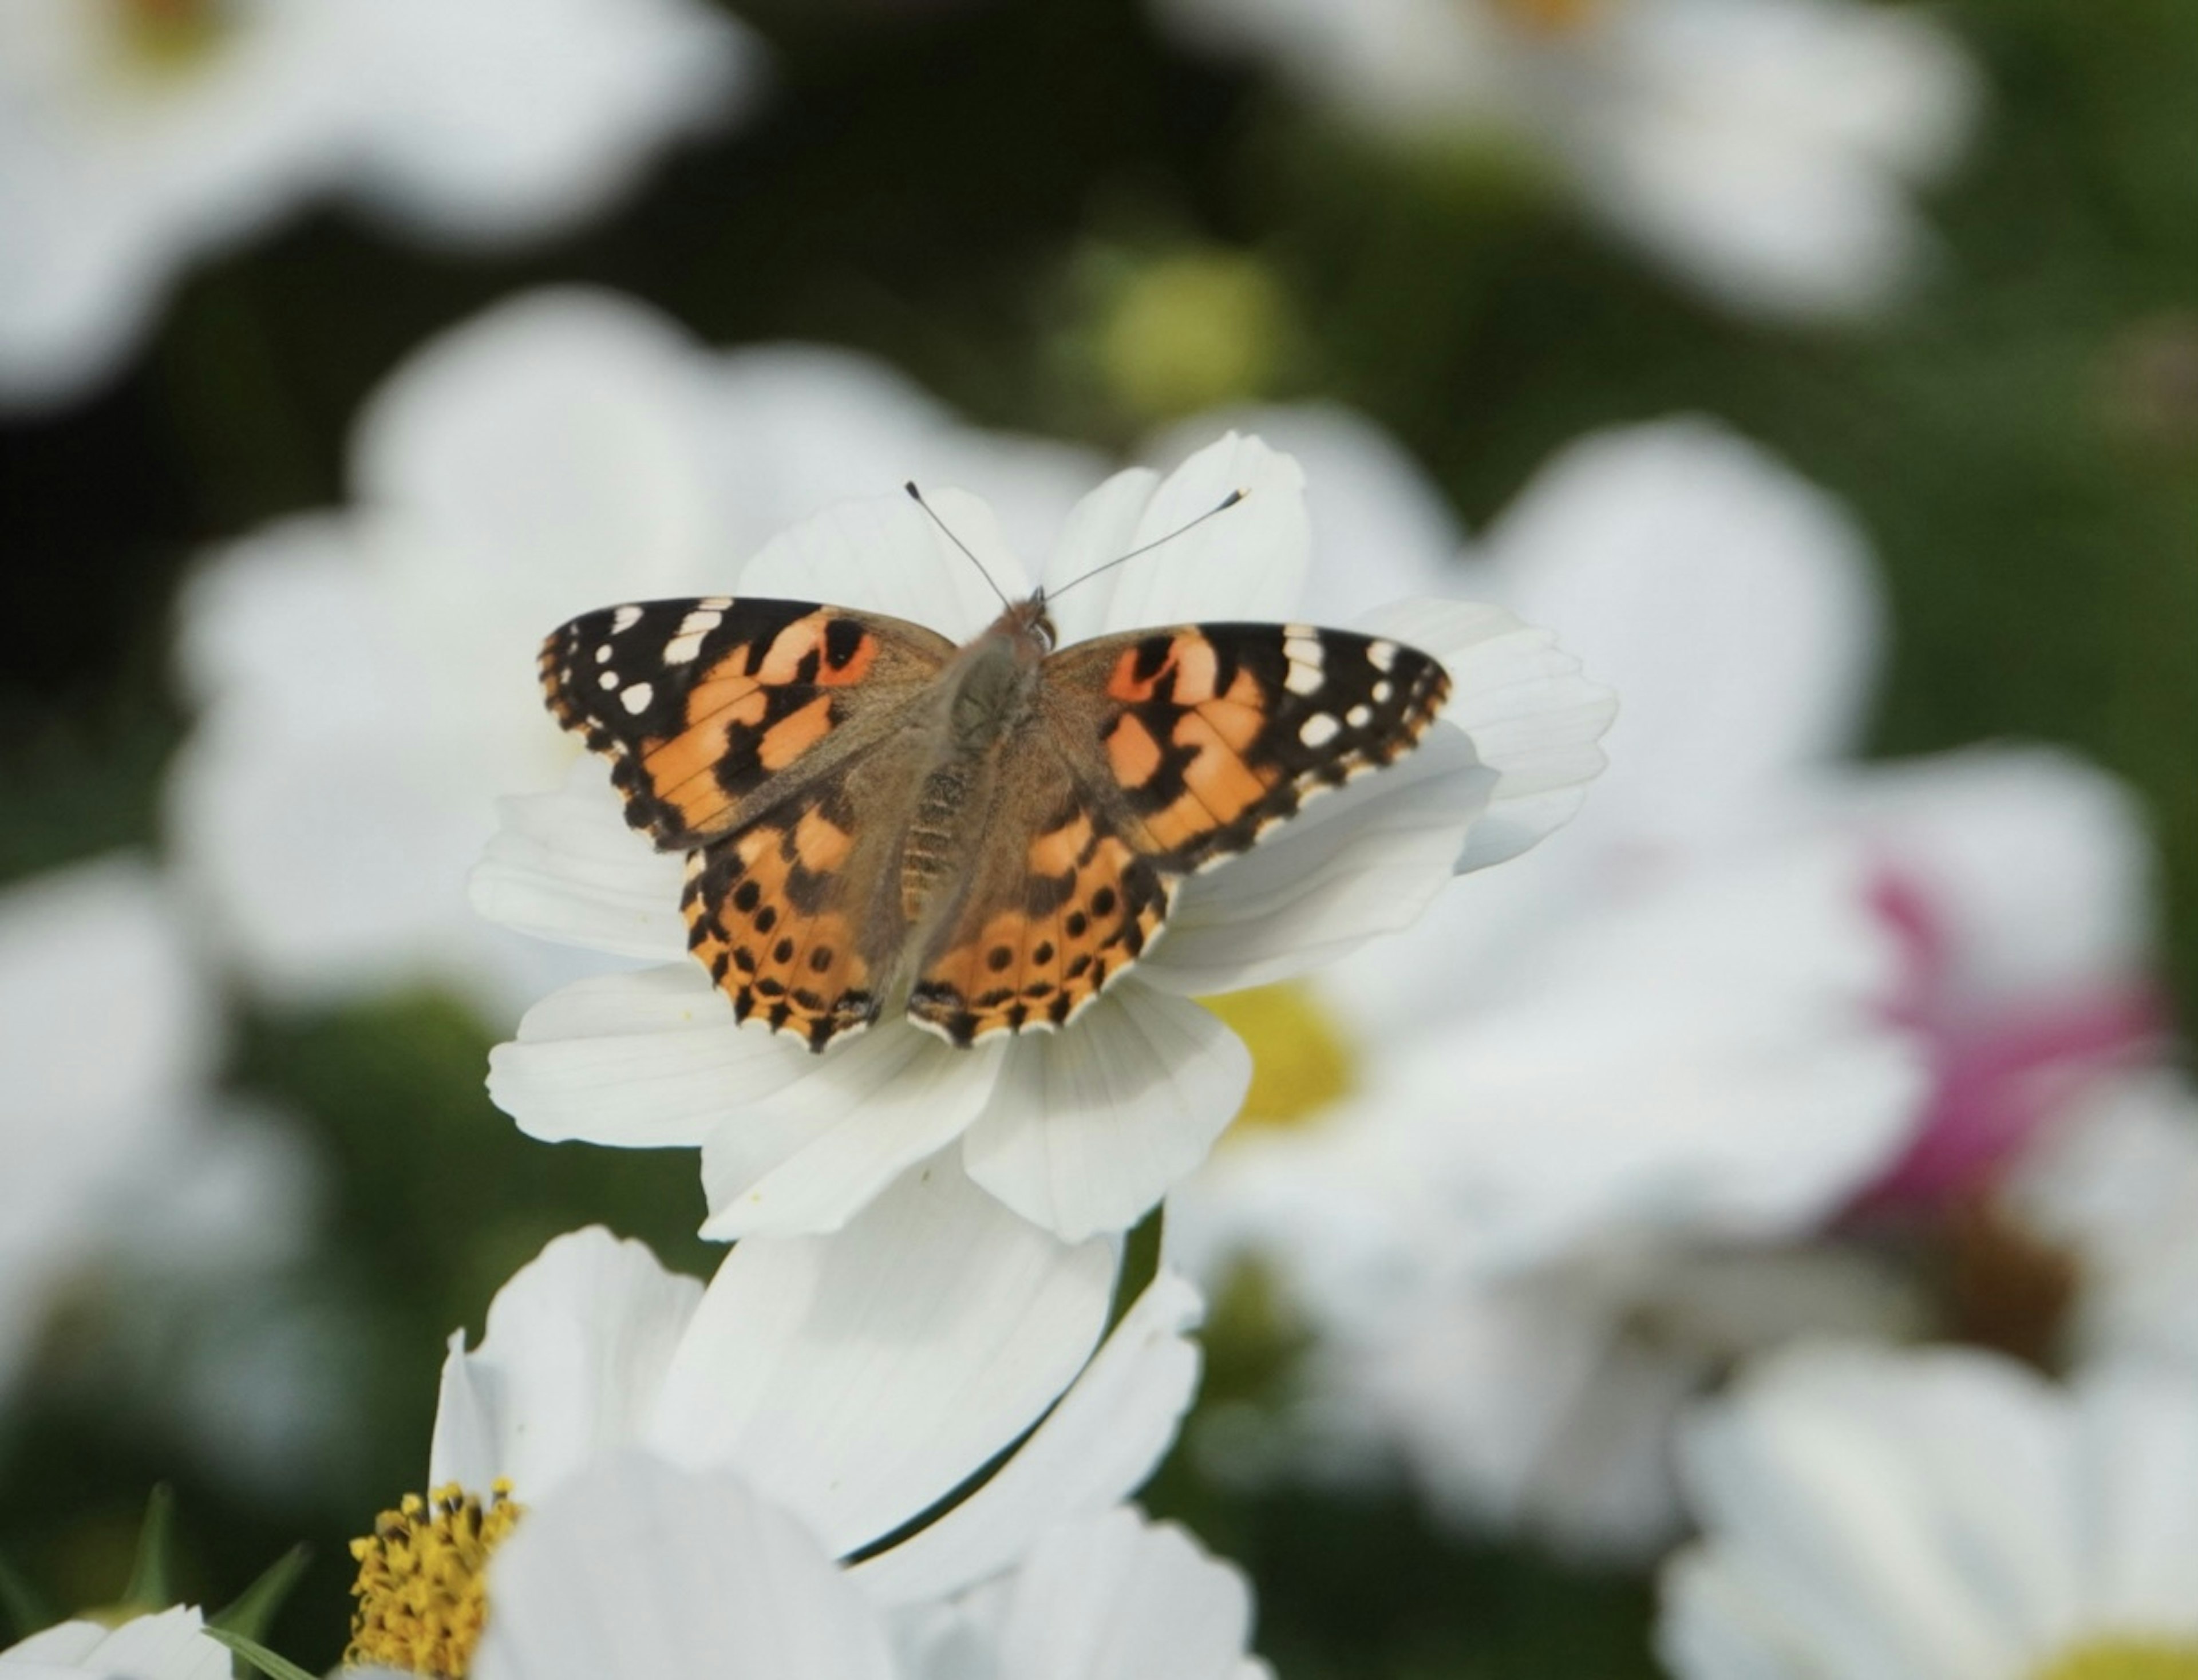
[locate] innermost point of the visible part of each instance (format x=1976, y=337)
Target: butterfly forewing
x=712, y=710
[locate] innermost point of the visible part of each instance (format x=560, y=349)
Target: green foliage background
x=948, y=188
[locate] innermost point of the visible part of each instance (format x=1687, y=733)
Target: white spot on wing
x=609, y=679
x=625, y=619
x=1381, y=693
x=682, y=650
x=717, y=603
x=1301, y=647
x=637, y=697
x=1382, y=656
x=1359, y=716
x=603, y=654
x=1319, y=729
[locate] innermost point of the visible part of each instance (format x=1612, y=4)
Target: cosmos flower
x=1081, y=1130
x=565, y=449
x=165, y=1645
x=1765, y=150
x=1940, y=1514
x=136, y=135
x=855, y=1381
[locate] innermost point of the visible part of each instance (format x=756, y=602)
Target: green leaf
x=153, y=1578
x=254, y=1608
x=273, y=1667
x=25, y=1607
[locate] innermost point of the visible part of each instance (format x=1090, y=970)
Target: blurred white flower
x=1082, y=1130
x=116, y=1157
x=639, y=1571
x=364, y=677
x=136, y=135
x=167, y=1645
x=1765, y=150
x=1938, y=1516
x=1666, y=1033
x=2113, y=1185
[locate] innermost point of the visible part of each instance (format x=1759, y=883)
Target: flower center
x=1548, y=19
x=2125, y=1659
x=1301, y=1065
x=162, y=35
x=422, y=1597
x=1192, y=331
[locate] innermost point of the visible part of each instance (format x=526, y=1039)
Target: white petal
x=1115, y=1597
x=1365, y=860
x=640, y=1571
x=1732, y=604
x=1089, y=1126
x=565, y=866
x=1100, y=529
x=1381, y=529
x=884, y=554
x=166, y=1645
x=1247, y=562
x=574, y=1352
x=636, y=1060
x=859, y=1377
x=1522, y=701
x=810, y=1154
x=1107, y=1434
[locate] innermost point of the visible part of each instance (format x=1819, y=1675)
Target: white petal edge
x=639, y=1571
x=571, y=1361
x=860, y=1377
x=1109, y=1432
x=166, y=1645
x=1089, y=1127
x=565, y=866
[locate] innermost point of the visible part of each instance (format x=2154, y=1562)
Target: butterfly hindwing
x=712, y=709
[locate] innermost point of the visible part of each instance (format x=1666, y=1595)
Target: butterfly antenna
x=916, y=497
x=1221, y=507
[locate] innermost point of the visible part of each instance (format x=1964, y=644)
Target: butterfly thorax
x=991, y=696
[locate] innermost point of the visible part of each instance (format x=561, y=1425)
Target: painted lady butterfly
x=992, y=833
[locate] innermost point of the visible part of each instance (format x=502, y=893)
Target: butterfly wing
x=715, y=710
x=775, y=742
x=1160, y=752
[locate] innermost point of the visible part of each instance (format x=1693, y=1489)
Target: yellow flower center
x=1549, y=18
x=163, y=35
x=1301, y=1065
x=421, y=1595
x=2125, y=1659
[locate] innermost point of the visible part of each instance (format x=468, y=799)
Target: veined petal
x=640, y=1061
x=639, y=1571
x=1095, y=1448
x=860, y=1377
x=1360, y=862
x=1248, y=563
x=565, y=866
x=575, y=1350
x=1089, y=1126
x=167, y=1645
x=884, y=554
x=809, y=1155
x=1521, y=700
x=1116, y=1597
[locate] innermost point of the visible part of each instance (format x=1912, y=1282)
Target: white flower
x=1938, y=1516
x=1663, y=1034
x=2113, y=1184
x=1085, y=1129
x=857, y=1380
x=638, y=1570
x=1765, y=150
x=363, y=677
x=136, y=134
x=167, y=1645
x=109, y=1037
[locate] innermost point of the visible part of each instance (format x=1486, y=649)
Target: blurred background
x=1826, y=374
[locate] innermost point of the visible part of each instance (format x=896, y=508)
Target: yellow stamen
x=2126, y=1659
x=1301, y=1065
x=167, y=34
x=421, y=1591
x=1549, y=18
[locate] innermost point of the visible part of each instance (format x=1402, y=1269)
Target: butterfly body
x=982, y=837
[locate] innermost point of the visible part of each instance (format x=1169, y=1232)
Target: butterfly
x=984, y=836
